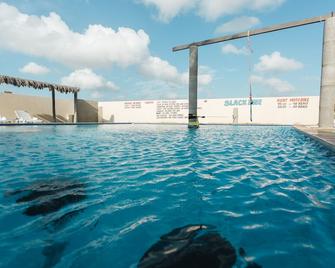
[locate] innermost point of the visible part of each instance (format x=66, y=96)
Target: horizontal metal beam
x=265, y=30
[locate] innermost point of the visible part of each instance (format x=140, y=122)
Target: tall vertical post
x=53, y=105
x=327, y=92
x=193, y=89
x=75, y=103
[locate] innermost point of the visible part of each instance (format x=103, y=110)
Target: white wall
x=281, y=110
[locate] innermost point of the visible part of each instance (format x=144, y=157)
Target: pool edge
x=326, y=137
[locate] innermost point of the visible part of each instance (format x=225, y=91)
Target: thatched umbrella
x=4, y=79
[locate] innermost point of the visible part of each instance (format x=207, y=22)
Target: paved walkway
x=324, y=136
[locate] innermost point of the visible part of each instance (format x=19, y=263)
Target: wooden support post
x=193, y=89
x=53, y=105
x=75, y=102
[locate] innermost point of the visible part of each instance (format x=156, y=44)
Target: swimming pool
x=269, y=190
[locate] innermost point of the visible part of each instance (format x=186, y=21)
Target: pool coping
x=326, y=137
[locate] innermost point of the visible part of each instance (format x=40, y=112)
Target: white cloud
x=238, y=25
x=209, y=9
x=273, y=83
x=205, y=76
x=204, y=79
x=34, y=68
x=168, y=9
x=87, y=79
x=277, y=63
x=159, y=69
x=231, y=49
x=156, y=68
x=50, y=37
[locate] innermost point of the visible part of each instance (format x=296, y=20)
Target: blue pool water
x=269, y=190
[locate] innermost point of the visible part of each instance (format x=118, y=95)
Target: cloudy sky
x=122, y=49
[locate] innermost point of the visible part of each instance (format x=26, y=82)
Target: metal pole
x=53, y=105
x=193, y=89
x=75, y=102
x=327, y=92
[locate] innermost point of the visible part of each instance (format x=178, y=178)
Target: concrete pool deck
x=324, y=136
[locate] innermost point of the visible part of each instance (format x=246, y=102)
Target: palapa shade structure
x=19, y=82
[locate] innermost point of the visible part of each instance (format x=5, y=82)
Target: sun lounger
x=3, y=120
x=24, y=117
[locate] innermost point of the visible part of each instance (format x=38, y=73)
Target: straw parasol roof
x=36, y=84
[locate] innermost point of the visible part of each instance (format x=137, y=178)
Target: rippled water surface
x=269, y=190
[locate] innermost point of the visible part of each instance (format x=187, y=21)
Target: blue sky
x=121, y=49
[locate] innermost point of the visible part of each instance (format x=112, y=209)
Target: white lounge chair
x=3, y=120
x=24, y=117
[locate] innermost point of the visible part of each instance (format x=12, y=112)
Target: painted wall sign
x=242, y=102
x=133, y=105
x=295, y=103
x=170, y=109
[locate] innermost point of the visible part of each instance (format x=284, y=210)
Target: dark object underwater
x=53, y=254
x=60, y=222
x=195, y=246
x=50, y=196
x=47, y=189
x=53, y=205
